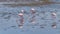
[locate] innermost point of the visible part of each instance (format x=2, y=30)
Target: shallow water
x=9, y=15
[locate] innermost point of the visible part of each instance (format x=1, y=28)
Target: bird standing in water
x=21, y=18
x=33, y=12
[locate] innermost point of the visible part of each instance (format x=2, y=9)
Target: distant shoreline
x=28, y=4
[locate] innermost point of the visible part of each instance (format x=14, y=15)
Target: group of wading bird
x=33, y=12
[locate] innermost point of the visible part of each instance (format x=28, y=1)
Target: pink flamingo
x=21, y=18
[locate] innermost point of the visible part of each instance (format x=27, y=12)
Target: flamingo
x=21, y=19
x=33, y=15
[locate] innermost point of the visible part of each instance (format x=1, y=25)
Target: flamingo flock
x=33, y=19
